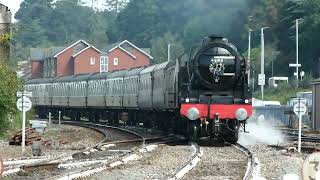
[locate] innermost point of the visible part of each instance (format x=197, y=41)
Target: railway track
x=190, y=164
x=92, y=161
x=224, y=161
x=252, y=161
x=292, y=134
x=89, y=159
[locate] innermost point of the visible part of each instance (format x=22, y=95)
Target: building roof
x=111, y=47
x=83, y=50
x=121, y=48
x=126, y=41
x=39, y=54
x=72, y=45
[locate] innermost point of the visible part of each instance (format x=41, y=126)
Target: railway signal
x=24, y=104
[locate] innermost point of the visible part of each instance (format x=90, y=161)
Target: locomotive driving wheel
x=232, y=137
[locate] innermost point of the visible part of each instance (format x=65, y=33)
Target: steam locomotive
x=202, y=94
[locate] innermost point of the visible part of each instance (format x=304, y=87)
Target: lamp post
x=169, y=50
x=249, y=45
x=272, y=53
x=297, y=49
x=262, y=75
x=249, y=57
x=297, y=65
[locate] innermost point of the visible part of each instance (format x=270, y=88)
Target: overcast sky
x=15, y=4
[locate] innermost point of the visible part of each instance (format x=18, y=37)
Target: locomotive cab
x=217, y=100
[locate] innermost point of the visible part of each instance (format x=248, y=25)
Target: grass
x=16, y=124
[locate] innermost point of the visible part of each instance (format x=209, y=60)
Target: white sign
x=27, y=104
x=261, y=79
x=25, y=93
x=299, y=108
x=294, y=65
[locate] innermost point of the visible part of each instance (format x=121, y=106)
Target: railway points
x=95, y=157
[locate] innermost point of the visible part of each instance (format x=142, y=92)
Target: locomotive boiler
x=203, y=93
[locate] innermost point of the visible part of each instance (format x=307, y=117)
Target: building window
x=92, y=60
x=103, y=64
x=115, y=61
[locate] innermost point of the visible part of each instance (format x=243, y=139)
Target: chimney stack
x=5, y=33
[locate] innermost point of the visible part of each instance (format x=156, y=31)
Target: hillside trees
x=160, y=46
x=57, y=23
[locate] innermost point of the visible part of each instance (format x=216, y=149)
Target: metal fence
x=279, y=115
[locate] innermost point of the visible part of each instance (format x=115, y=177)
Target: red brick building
x=63, y=61
x=43, y=61
x=124, y=55
x=83, y=58
x=87, y=61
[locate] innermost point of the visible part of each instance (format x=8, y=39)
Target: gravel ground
x=147, y=133
x=75, y=138
x=159, y=164
x=217, y=163
x=274, y=163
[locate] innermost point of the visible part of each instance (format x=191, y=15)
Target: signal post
x=24, y=104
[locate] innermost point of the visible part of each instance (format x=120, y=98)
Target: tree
x=160, y=45
x=9, y=85
x=35, y=10
x=139, y=21
x=116, y=5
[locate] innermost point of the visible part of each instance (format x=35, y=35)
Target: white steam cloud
x=260, y=132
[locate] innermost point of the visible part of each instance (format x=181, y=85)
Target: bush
x=284, y=91
x=9, y=85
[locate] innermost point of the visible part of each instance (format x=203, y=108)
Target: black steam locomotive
x=204, y=93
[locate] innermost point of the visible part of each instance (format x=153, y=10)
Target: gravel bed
x=159, y=164
x=74, y=138
x=217, y=163
x=95, y=154
x=147, y=133
x=274, y=163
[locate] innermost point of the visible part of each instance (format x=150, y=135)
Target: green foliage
x=57, y=23
x=282, y=93
x=5, y=39
x=116, y=5
x=160, y=46
x=280, y=16
x=147, y=23
x=9, y=85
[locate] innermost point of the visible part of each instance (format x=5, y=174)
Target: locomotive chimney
x=5, y=33
x=218, y=38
